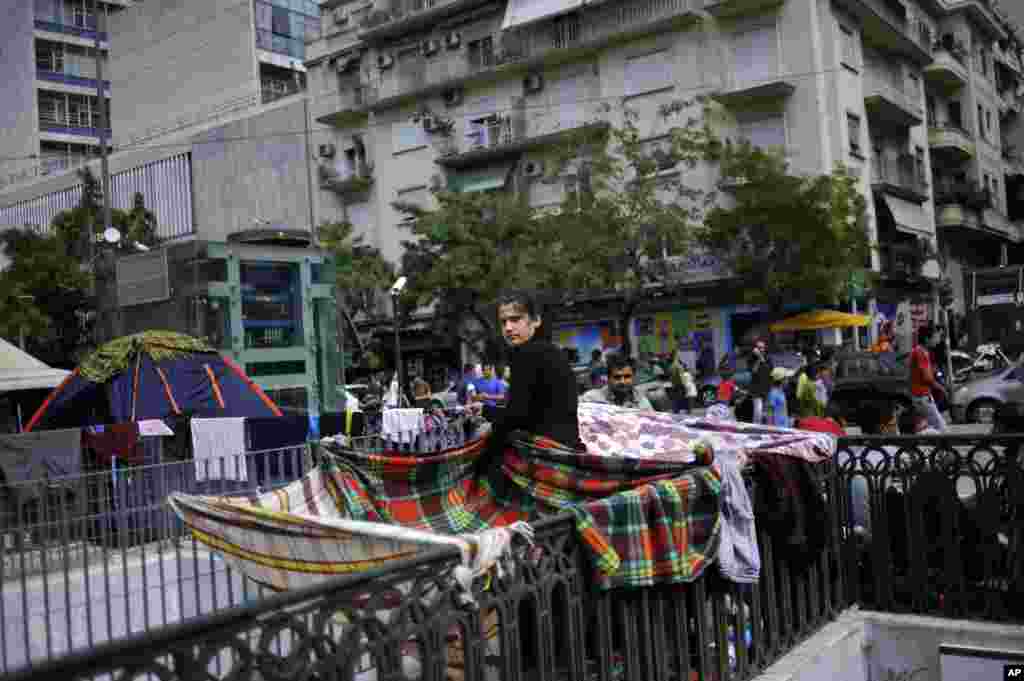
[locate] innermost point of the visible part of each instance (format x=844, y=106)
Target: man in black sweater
x=542, y=397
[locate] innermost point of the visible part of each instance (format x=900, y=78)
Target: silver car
x=976, y=401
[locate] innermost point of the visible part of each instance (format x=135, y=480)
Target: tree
x=46, y=297
x=362, y=274
x=786, y=237
x=620, y=215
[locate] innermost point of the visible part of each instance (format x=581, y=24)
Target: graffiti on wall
x=585, y=338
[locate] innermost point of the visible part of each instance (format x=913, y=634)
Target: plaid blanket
x=646, y=504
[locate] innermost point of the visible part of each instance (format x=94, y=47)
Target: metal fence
x=539, y=618
x=934, y=525
x=101, y=556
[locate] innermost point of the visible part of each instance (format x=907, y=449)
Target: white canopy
x=21, y=371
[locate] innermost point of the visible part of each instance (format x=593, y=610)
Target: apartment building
x=51, y=102
x=184, y=63
x=857, y=82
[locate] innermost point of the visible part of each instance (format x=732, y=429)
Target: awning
x=21, y=371
x=820, y=319
x=908, y=216
x=522, y=12
x=482, y=181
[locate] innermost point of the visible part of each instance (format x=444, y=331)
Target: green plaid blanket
x=645, y=520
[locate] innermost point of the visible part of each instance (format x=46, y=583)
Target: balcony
x=949, y=71
x=951, y=143
x=508, y=137
x=86, y=31
x=538, y=44
x=742, y=96
x=348, y=107
x=725, y=9
x=899, y=177
x=407, y=16
x=345, y=177
x=889, y=104
x=902, y=261
x=885, y=25
x=70, y=79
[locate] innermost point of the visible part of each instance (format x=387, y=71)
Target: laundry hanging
x=218, y=448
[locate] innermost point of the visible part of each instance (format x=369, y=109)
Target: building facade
x=864, y=83
x=51, y=103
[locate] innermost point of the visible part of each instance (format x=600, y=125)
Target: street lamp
x=396, y=291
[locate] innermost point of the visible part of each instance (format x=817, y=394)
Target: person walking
x=760, y=379
x=923, y=384
x=778, y=411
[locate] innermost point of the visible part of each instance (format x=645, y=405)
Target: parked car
x=739, y=365
x=977, y=401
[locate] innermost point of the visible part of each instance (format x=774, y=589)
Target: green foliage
x=122, y=353
x=624, y=207
x=362, y=273
x=45, y=297
x=53, y=273
x=786, y=237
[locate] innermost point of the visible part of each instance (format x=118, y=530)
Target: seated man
x=620, y=390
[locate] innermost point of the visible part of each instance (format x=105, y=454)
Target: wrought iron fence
x=539, y=618
x=97, y=557
x=934, y=525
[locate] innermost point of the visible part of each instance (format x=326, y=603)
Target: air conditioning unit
x=533, y=83
x=428, y=123
x=452, y=97
x=326, y=150
x=340, y=16
x=453, y=40
x=385, y=61
x=533, y=169
x=431, y=46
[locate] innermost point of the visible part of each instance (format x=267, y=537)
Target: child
x=778, y=414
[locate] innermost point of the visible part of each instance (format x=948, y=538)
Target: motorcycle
x=987, y=357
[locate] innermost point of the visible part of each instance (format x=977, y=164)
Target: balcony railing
x=86, y=31
x=533, y=43
x=890, y=100
x=346, y=104
x=901, y=174
x=969, y=194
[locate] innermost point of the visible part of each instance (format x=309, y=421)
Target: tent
x=152, y=375
x=820, y=319
x=21, y=371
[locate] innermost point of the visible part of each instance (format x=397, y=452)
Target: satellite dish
x=111, y=235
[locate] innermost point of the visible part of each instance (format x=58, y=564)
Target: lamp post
x=396, y=291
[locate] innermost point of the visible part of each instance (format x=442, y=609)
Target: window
x=956, y=116
x=853, y=130
x=409, y=135
x=481, y=53
x=919, y=173
x=647, y=73
x=271, y=305
x=849, y=47
x=988, y=125
x=996, y=199
x=930, y=109
x=766, y=133
x=487, y=131
x=981, y=121
x=755, y=55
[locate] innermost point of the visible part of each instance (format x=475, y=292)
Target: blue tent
x=152, y=375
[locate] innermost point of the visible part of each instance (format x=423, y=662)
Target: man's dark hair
x=619, y=361
x=467, y=367
x=595, y=354
x=524, y=300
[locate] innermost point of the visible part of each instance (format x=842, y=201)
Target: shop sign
x=694, y=267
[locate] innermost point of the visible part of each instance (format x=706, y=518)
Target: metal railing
x=934, y=525
x=100, y=556
x=903, y=172
x=539, y=618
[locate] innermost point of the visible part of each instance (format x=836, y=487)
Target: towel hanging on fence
x=402, y=425
x=120, y=440
x=218, y=447
x=44, y=453
x=739, y=559
x=154, y=428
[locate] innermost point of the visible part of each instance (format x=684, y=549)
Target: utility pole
x=101, y=25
